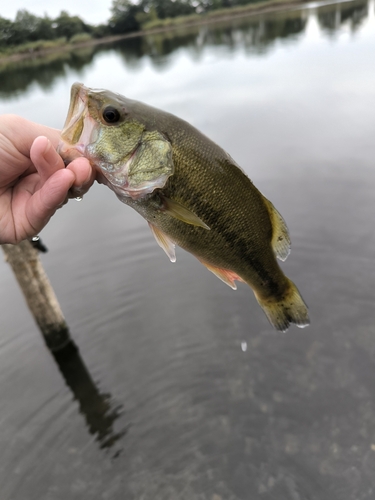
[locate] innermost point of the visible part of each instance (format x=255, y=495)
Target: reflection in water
x=94, y=405
x=330, y=19
x=18, y=77
x=255, y=36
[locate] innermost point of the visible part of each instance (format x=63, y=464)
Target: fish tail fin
x=291, y=308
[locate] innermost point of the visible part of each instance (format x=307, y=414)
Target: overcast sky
x=91, y=11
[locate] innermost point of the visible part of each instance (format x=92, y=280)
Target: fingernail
x=47, y=145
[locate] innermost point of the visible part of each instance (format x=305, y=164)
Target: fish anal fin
x=178, y=211
x=164, y=242
x=280, y=236
x=224, y=275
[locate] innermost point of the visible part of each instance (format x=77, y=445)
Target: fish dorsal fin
x=164, y=242
x=178, y=211
x=224, y=275
x=280, y=236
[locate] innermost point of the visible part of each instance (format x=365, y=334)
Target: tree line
x=126, y=16
x=30, y=28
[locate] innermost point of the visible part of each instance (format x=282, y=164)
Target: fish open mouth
x=73, y=126
x=79, y=127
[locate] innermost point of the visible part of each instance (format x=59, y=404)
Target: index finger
x=23, y=132
x=84, y=176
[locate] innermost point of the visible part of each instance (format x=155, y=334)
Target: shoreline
x=265, y=7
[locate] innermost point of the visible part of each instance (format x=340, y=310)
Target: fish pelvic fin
x=228, y=277
x=164, y=242
x=291, y=308
x=280, y=236
x=178, y=211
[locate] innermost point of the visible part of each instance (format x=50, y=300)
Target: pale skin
x=34, y=182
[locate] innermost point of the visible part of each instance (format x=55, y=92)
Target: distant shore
x=164, y=25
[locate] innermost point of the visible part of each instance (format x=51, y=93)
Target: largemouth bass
x=190, y=191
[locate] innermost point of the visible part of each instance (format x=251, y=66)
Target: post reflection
x=96, y=407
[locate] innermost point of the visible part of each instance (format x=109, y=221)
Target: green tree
x=124, y=16
x=69, y=26
x=172, y=8
x=6, y=30
x=46, y=29
x=101, y=30
x=25, y=27
x=21, y=30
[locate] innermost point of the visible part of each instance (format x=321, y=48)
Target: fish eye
x=111, y=114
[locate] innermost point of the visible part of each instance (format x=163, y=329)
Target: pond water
x=180, y=389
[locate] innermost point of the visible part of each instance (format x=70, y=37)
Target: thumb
x=45, y=158
x=51, y=196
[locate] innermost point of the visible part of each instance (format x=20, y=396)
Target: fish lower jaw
x=81, y=148
x=126, y=192
x=68, y=152
x=128, y=189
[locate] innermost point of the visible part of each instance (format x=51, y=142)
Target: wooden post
x=39, y=294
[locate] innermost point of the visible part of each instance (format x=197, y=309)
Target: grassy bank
x=31, y=48
x=45, y=47
x=220, y=14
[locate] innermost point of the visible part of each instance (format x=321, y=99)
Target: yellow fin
x=290, y=309
x=280, y=236
x=164, y=242
x=178, y=211
x=224, y=275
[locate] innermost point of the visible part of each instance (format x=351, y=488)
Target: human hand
x=34, y=182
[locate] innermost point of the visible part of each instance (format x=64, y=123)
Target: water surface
x=181, y=389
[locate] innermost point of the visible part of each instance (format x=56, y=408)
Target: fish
x=189, y=190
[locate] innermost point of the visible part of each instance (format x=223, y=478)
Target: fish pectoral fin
x=280, y=236
x=178, y=211
x=164, y=242
x=224, y=275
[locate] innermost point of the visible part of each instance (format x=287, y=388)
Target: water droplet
x=78, y=198
x=35, y=238
x=244, y=346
